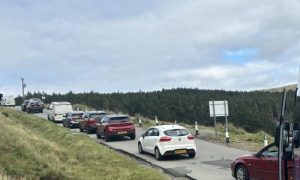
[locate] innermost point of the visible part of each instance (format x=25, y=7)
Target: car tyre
x=88, y=130
x=192, y=155
x=140, y=148
x=106, y=137
x=80, y=129
x=98, y=135
x=132, y=137
x=241, y=173
x=157, y=154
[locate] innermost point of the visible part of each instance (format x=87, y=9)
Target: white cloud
x=112, y=46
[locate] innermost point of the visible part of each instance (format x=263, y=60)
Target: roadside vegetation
x=253, y=111
x=32, y=148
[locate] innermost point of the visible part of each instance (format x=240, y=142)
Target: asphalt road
x=212, y=161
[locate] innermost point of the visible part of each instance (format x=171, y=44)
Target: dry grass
x=33, y=148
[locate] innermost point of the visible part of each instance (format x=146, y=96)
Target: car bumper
x=74, y=124
x=35, y=109
x=190, y=149
x=122, y=133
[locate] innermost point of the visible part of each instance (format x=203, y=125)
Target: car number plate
x=122, y=132
x=181, y=151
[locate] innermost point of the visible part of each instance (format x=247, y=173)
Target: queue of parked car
x=163, y=140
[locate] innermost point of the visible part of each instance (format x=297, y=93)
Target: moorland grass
x=33, y=148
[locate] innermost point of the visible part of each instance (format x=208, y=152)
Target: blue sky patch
x=240, y=56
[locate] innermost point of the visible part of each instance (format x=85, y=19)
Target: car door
x=50, y=112
x=85, y=118
x=152, y=139
x=147, y=140
x=265, y=165
x=102, y=125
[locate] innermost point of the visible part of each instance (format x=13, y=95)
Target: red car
x=115, y=125
x=263, y=165
x=88, y=121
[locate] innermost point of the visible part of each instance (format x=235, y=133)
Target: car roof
x=168, y=127
x=96, y=112
x=116, y=115
x=61, y=103
x=76, y=112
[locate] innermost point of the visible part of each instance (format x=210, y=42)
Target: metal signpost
x=219, y=109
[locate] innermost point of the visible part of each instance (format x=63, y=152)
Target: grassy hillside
x=291, y=87
x=33, y=148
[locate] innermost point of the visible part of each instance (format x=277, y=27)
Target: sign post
x=219, y=109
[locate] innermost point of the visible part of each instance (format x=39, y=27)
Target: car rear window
x=118, y=119
x=97, y=115
x=176, y=132
x=77, y=115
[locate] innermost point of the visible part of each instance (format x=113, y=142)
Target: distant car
x=24, y=105
x=57, y=111
x=72, y=119
x=38, y=100
x=34, y=107
x=88, y=121
x=115, y=125
x=262, y=165
x=166, y=140
x=7, y=101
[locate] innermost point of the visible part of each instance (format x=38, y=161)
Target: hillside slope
x=33, y=148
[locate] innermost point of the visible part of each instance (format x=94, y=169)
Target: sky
x=132, y=45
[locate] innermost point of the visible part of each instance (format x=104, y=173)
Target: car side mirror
x=285, y=135
x=143, y=135
x=296, y=135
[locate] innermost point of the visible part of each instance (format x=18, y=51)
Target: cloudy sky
x=132, y=45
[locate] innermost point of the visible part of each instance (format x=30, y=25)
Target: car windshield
x=78, y=115
x=97, y=115
x=36, y=99
x=118, y=119
x=63, y=108
x=176, y=132
x=272, y=151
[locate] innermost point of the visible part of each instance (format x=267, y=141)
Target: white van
x=8, y=101
x=57, y=110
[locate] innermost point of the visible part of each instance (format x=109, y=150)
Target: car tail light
x=190, y=137
x=165, y=139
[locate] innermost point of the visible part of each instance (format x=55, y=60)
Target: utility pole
x=23, y=86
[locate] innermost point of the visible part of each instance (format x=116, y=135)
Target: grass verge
x=33, y=148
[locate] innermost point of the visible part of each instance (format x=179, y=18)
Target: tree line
x=252, y=111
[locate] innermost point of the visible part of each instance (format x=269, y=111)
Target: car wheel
x=106, y=137
x=241, y=173
x=132, y=137
x=140, y=148
x=88, y=130
x=80, y=129
x=98, y=135
x=192, y=155
x=158, y=156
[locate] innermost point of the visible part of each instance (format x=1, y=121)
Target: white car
x=167, y=140
x=58, y=110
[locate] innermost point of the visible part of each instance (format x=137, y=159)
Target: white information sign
x=218, y=108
